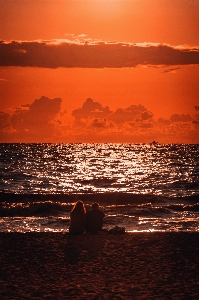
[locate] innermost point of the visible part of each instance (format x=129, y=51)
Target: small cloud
x=62, y=113
x=146, y=125
x=101, y=123
x=89, y=109
x=21, y=108
x=6, y=129
x=137, y=113
x=196, y=107
x=196, y=122
x=171, y=70
x=164, y=121
x=146, y=115
x=5, y=123
x=196, y=119
x=180, y=118
x=3, y=80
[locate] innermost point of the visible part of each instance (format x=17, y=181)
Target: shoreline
x=60, y=266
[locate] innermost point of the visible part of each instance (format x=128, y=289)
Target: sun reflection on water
x=162, y=170
x=140, y=168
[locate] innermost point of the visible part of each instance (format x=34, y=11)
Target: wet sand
x=108, y=266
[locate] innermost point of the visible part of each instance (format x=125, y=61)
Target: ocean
x=141, y=187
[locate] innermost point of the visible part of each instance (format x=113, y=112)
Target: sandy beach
x=106, y=266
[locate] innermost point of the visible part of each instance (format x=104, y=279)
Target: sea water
x=142, y=187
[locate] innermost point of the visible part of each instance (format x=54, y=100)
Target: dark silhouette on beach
x=94, y=219
x=77, y=218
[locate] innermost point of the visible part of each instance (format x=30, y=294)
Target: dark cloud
x=5, y=124
x=93, y=115
x=180, y=118
x=171, y=70
x=196, y=107
x=90, y=109
x=99, y=123
x=133, y=112
x=164, y=121
x=146, y=125
x=196, y=120
x=36, y=117
x=146, y=115
x=93, y=55
x=6, y=130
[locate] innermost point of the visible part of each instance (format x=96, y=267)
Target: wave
x=106, y=197
x=191, y=207
x=130, y=204
x=47, y=208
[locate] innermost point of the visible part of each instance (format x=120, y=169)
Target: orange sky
x=99, y=71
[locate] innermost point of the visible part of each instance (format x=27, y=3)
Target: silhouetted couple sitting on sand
x=82, y=220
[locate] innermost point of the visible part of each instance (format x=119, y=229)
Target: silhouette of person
x=77, y=218
x=94, y=219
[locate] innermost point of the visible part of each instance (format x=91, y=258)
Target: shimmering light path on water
x=142, y=187
x=169, y=170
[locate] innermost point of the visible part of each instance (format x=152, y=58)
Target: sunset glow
x=99, y=71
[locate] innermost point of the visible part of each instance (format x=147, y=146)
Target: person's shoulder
x=102, y=213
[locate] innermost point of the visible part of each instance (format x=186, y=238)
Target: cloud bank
x=55, y=54
x=43, y=121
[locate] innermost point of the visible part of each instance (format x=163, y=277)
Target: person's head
x=95, y=206
x=79, y=206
